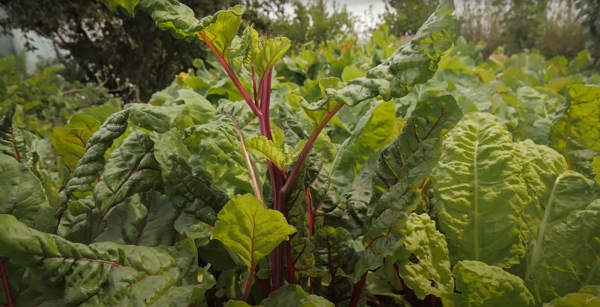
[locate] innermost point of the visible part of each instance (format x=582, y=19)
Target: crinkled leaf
x=374, y=131
x=104, y=274
x=14, y=142
x=536, y=108
x=186, y=182
x=480, y=284
x=412, y=154
x=70, y=141
x=293, y=295
x=273, y=50
x=23, y=196
x=144, y=219
x=249, y=229
x=422, y=260
x=269, y=150
x=571, y=256
x=588, y=296
x=480, y=193
x=131, y=168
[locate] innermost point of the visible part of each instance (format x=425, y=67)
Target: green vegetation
x=334, y=174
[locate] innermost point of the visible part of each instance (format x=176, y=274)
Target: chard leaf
x=571, y=257
x=577, y=127
x=144, y=219
x=587, y=296
x=219, y=145
x=293, y=295
x=596, y=168
x=196, y=110
x=70, y=141
x=269, y=150
x=376, y=129
x=409, y=155
x=14, y=142
x=249, y=229
x=480, y=193
x=187, y=184
x=480, y=284
x=130, y=169
x=536, y=108
x=23, y=196
x=422, y=260
x=104, y=274
x=223, y=29
x=334, y=250
x=128, y=6
x=249, y=46
x=273, y=50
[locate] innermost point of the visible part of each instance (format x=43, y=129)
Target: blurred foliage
x=404, y=17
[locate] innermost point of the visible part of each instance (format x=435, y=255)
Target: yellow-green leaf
x=273, y=50
x=70, y=141
x=223, y=30
x=267, y=148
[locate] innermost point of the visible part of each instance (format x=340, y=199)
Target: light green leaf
x=266, y=148
x=422, y=260
x=104, y=274
x=273, y=50
x=70, y=141
x=223, y=29
x=187, y=184
x=128, y=6
x=374, y=131
x=588, y=296
x=571, y=257
x=103, y=112
x=352, y=72
x=480, y=284
x=293, y=295
x=23, y=196
x=536, y=108
x=14, y=142
x=249, y=229
x=480, y=193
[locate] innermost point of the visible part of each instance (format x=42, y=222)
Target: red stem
x=248, y=285
x=265, y=286
x=408, y=292
x=376, y=301
x=357, y=291
x=232, y=76
x=311, y=140
x=5, y=284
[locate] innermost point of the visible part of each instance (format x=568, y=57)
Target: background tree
x=130, y=49
x=589, y=12
x=404, y=17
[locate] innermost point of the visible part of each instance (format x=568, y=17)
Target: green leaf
x=596, y=168
x=223, y=29
x=477, y=184
x=273, y=50
x=196, y=110
x=14, y=142
x=104, y=273
x=266, y=148
x=128, y=6
x=410, y=156
x=249, y=46
x=422, y=260
x=536, y=108
x=130, y=169
x=23, y=196
x=144, y=219
x=375, y=130
x=186, y=182
x=250, y=230
x=103, y=112
x=588, y=296
x=571, y=257
x=352, y=72
x=70, y=141
x=219, y=145
x=480, y=284
x=293, y=295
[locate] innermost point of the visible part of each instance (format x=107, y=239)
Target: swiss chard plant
x=240, y=190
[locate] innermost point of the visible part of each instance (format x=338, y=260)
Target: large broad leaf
x=587, y=296
x=219, y=146
x=293, y=295
x=223, y=29
x=409, y=155
x=131, y=168
x=273, y=50
x=249, y=229
x=480, y=192
x=104, y=274
x=536, y=108
x=412, y=64
x=480, y=284
x=577, y=128
x=422, y=260
x=375, y=130
x=571, y=257
x=23, y=196
x=70, y=141
x=187, y=184
x=144, y=219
